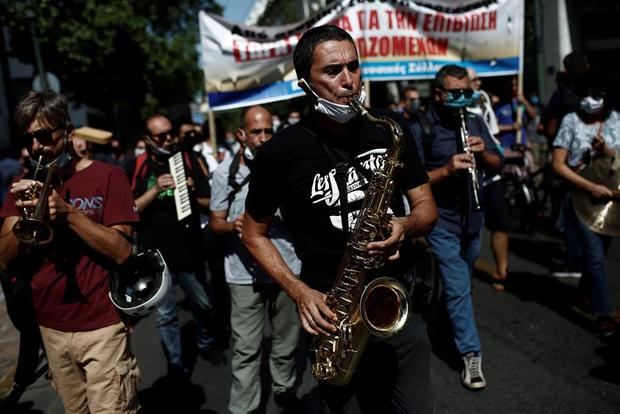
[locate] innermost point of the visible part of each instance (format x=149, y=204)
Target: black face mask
x=191, y=139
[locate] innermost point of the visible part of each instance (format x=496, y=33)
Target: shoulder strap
x=138, y=170
x=232, y=173
x=188, y=162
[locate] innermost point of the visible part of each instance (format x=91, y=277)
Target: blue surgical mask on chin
x=457, y=103
x=336, y=112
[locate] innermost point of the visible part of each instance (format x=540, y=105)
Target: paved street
x=539, y=356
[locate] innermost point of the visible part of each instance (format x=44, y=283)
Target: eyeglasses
x=43, y=136
x=163, y=135
x=258, y=131
x=456, y=93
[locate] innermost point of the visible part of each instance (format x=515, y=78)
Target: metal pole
x=540, y=59
x=521, y=30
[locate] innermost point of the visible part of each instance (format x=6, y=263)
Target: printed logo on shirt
x=90, y=206
x=325, y=187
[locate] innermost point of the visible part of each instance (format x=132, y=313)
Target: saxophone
x=379, y=307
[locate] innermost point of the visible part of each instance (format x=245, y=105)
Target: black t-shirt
x=178, y=241
x=294, y=171
x=563, y=101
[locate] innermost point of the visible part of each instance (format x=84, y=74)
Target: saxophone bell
x=385, y=306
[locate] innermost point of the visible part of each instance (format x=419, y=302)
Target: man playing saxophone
x=91, y=212
x=317, y=172
x=455, y=161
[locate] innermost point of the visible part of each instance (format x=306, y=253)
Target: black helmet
x=141, y=284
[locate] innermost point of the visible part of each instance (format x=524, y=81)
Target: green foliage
x=126, y=58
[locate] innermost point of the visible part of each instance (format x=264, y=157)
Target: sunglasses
x=163, y=135
x=258, y=131
x=456, y=93
x=43, y=136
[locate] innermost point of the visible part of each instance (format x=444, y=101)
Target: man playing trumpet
x=89, y=213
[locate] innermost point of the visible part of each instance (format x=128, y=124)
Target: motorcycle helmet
x=141, y=284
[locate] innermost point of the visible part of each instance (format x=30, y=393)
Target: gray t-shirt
x=239, y=266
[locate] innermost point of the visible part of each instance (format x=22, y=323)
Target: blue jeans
x=573, y=258
x=594, y=248
x=455, y=255
x=168, y=322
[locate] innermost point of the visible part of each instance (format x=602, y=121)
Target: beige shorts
x=93, y=371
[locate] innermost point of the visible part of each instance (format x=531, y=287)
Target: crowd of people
x=271, y=211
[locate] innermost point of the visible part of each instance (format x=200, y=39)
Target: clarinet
x=472, y=172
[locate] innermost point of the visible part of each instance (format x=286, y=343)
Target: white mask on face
x=336, y=112
x=591, y=105
x=292, y=120
x=139, y=151
x=249, y=153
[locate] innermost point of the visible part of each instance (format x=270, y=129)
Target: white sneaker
x=471, y=375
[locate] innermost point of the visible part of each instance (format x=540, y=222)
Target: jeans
x=573, y=258
x=168, y=322
x=249, y=306
x=455, y=255
x=594, y=248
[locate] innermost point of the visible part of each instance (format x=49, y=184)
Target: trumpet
x=32, y=228
x=472, y=172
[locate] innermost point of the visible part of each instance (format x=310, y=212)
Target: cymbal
x=603, y=215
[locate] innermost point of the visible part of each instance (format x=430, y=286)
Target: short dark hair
x=575, y=63
x=455, y=71
x=47, y=106
x=409, y=88
x=302, y=57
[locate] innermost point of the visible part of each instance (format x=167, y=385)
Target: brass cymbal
x=603, y=215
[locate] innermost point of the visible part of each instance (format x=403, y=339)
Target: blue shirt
x=506, y=114
x=453, y=195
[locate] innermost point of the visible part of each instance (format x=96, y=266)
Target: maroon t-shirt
x=70, y=280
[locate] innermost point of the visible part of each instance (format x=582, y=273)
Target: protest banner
x=396, y=40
